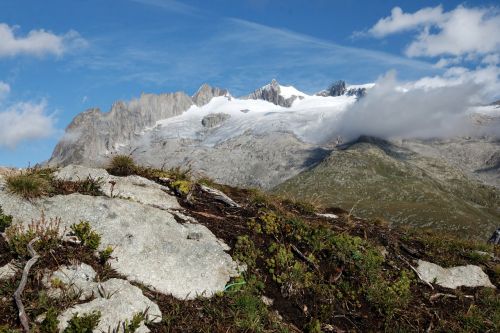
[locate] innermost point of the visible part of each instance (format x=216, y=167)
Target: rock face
x=206, y=93
x=149, y=245
x=133, y=188
x=272, y=93
x=248, y=160
x=117, y=301
x=454, y=277
x=339, y=88
x=214, y=119
x=92, y=132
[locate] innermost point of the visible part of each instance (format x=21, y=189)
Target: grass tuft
x=28, y=185
x=122, y=165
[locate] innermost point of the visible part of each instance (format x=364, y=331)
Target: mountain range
x=280, y=139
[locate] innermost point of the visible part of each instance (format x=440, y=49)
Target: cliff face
x=93, y=132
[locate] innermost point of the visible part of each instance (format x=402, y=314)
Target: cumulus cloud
x=394, y=109
x=400, y=21
x=4, y=90
x=25, y=121
x=457, y=32
x=37, y=42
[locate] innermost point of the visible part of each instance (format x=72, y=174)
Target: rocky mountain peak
x=206, y=93
x=272, y=93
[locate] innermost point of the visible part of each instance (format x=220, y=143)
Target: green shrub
x=49, y=324
x=5, y=220
x=28, y=185
x=105, y=254
x=83, y=324
x=122, y=165
x=245, y=251
x=86, y=235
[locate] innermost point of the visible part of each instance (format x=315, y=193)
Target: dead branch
x=303, y=257
x=219, y=195
x=17, y=295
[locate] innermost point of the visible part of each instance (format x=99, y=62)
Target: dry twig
x=17, y=295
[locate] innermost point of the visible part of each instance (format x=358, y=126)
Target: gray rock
x=206, y=93
x=467, y=276
x=271, y=93
x=149, y=245
x=118, y=302
x=75, y=280
x=8, y=271
x=214, y=119
x=133, y=188
x=248, y=160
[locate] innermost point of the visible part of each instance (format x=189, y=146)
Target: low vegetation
x=86, y=235
x=122, y=165
x=29, y=185
x=304, y=272
x=38, y=182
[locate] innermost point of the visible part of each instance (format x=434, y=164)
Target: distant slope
x=401, y=186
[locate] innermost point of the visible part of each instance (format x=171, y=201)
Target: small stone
x=266, y=300
x=8, y=271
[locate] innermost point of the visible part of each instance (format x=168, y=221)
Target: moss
x=86, y=235
x=181, y=187
x=83, y=324
x=122, y=165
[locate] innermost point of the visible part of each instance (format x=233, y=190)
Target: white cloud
x=37, y=42
x=25, y=121
x=462, y=31
x=400, y=21
x=394, y=109
x=4, y=90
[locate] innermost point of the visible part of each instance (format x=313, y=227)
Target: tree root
x=17, y=295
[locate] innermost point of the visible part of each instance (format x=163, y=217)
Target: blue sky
x=94, y=52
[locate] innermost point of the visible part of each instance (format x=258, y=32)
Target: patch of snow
x=305, y=118
x=289, y=91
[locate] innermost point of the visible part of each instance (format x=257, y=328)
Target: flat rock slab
x=467, y=276
x=75, y=279
x=149, y=245
x=134, y=188
x=118, y=302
